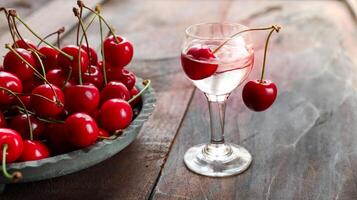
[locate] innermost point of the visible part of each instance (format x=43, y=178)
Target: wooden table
x=304, y=147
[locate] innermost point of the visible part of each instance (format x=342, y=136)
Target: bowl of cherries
x=64, y=109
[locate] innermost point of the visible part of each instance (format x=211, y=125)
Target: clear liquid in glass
x=234, y=61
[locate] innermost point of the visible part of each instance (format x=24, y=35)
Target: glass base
x=217, y=160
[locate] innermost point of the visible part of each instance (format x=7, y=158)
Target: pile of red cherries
x=54, y=100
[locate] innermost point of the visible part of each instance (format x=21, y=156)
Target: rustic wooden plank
x=139, y=165
x=46, y=19
x=304, y=147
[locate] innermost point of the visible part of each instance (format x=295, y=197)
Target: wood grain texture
x=140, y=164
x=304, y=147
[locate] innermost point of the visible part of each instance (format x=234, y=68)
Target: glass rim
x=187, y=30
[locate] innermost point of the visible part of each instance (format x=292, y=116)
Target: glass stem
x=217, y=108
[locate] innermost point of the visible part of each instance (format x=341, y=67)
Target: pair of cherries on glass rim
x=80, y=102
x=258, y=95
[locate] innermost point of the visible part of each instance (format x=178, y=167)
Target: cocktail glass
x=217, y=70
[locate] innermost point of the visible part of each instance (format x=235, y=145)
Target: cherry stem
x=89, y=24
x=78, y=15
x=42, y=97
x=12, y=31
x=36, y=72
x=97, y=12
x=50, y=121
x=78, y=26
x=41, y=118
x=22, y=39
x=108, y=138
x=13, y=13
x=75, y=11
x=9, y=24
x=274, y=27
x=102, y=53
x=41, y=64
x=23, y=106
x=16, y=36
x=58, y=33
x=15, y=176
x=146, y=83
x=67, y=78
x=79, y=67
x=85, y=30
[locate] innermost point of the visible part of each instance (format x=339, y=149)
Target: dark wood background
x=304, y=147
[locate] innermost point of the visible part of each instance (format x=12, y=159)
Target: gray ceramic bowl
x=80, y=159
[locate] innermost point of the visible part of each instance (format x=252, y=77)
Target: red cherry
x=118, y=54
x=93, y=55
x=14, y=142
x=20, y=124
x=30, y=84
x=24, y=44
x=15, y=65
x=93, y=76
x=121, y=75
x=82, y=130
x=138, y=100
x=115, y=114
x=82, y=98
x=103, y=133
x=50, y=59
x=56, y=135
x=128, y=78
x=258, y=96
x=34, y=150
x=11, y=82
x=66, y=63
x=44, y=107
x=196, y=64
x=58, y=78
x=2, y=121
x=114, y=90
